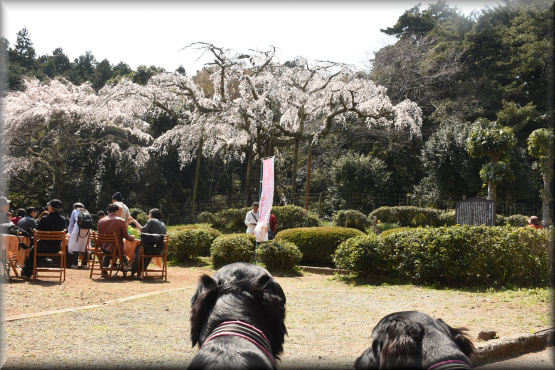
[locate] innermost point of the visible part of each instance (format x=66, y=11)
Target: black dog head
x=413, y=340
x=239, y=291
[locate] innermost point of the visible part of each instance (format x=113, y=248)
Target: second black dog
x=414, y=340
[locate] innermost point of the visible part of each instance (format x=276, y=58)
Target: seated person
x=535, y=222
x=20, y=213
x=27, y=224
x=153, y=226
x=51, y=222
x=108, y=225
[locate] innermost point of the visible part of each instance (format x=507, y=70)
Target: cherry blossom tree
x=312, y=98
x=49, y=123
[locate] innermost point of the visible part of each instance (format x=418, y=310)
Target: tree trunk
x=546, y=200
x=308, y=169
x=295, y=158
x=197, y=176
x=248, y=177
x=492, y=190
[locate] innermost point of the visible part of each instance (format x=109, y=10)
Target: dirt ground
x=23, y=297
x=329, y=322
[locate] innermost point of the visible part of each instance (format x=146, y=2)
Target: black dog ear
x=201, y=304
x=273, y=303
x=459, y=337
x=399, y=345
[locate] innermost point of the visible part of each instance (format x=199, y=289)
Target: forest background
x=495, y=65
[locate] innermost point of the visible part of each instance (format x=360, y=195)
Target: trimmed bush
x=382, y=227
x=447, y=218
x=469, y=255
x=293, y=216
x=407, y=216
x=515, y=220
x=279, y=255
x=317, y=244
x=233, y=220
x=187, y=244
x=231, y=248
x=393, y=231
x=227, y=221
x=361, y=253
x=351, y=218
x=207, y=218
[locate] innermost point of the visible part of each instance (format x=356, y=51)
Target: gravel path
x=329, y=324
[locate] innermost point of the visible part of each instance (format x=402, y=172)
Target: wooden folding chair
x=61, y=254
x=115, y=256
x=9, y=254
x=144, y=270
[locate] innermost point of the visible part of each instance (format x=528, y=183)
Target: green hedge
x=233, y=220
x=279, y=255
x=139, y=215
x=514, y=220
x=410, y=216
x=317, y=244
x=187, y=244
x=351, y=218
x=231, y=248
x=293, y=216
x=416, y=216
x=469, y=255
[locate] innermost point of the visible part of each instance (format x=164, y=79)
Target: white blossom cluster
x=253, y=97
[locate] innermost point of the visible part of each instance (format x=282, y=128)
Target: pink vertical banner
x=266, y=200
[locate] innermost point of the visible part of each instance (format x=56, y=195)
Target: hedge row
x=413, y=216
x=351, y=218
x=416, y=216
x=233, y=220
x=470, y=255
x=317, y=244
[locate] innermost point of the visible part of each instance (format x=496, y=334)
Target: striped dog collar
x=245, y=331
x=450, y=365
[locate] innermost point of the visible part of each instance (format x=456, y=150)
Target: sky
x=149, y=33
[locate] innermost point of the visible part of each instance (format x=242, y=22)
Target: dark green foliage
x=408, y=216
x=293, y=216
x=355, y=173
x=317, y=244
x=469, y=255
x=279, y=255
x=448, y=164
x=139, y=215
x=351, y=218
x=231, y=248
x=513, y=220
x=187, y=244
x=233, y=220
x=360, y=254
x=207, y=218
x=230, y=220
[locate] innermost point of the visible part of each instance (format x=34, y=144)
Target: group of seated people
x=78, y=228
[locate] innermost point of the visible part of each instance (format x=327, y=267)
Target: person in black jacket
x=51, y=222
x=153, y=226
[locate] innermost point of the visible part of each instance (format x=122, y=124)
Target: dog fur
x=414, y=340
x=244, y=292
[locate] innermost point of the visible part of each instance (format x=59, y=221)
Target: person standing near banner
x=251, y=219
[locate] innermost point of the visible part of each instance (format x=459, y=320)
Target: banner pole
x=259, y=194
